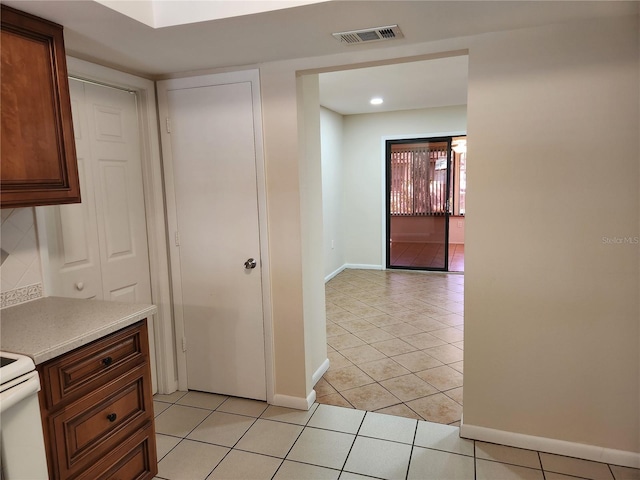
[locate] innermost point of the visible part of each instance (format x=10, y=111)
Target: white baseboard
x=170, y=388
x=311, y=398
x=299, y=403
x=320, y=371
x=363, y=266
x=356, y=266
x=550, y=445
x=333, y=274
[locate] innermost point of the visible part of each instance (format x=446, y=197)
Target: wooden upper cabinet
x=38, y=155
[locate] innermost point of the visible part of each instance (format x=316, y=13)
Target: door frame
x=253, y=77
x=383, y=176
x=161, y=322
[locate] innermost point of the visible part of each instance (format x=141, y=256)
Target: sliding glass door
x=419, y=201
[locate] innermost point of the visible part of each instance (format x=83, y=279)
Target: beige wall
x=279, y=112
x=551, y=340
x=332, y=190
x=551, y=311
x=315, y=328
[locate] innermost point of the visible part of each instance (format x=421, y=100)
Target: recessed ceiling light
x=376, y=101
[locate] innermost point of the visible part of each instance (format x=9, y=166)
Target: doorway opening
x=395, y=336
x=425, y=193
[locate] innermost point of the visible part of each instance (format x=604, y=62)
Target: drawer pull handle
x=107, y=361
x=112, y=417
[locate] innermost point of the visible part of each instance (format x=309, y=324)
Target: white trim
x=174, y=251
x=335, y=273
x=263, y=226
x=356, y=266
x=154, y=211
x=253, y=77
x=383, y=149
x=363, y=266
x=322, y=369
x=551, y=445
x=299, y=403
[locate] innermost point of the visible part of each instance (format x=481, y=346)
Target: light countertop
x=48, y=327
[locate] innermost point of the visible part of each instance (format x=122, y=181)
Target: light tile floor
x=395, y=343
x=205, y=436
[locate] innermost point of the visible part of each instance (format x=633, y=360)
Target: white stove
x=22, y=444
x=13, y=366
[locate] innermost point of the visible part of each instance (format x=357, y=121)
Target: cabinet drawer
x=92, y=427
x=135, y=459
x=87, y=368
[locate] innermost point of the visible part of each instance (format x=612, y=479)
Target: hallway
x=395, y=342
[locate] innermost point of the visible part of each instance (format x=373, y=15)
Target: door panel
x=118, y=193
x=98, y=248
x=418, y=203
x=75, y=242
x=126, y=294
x=116, y=212
x=214, y=170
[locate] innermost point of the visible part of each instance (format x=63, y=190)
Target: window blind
x=418, y=179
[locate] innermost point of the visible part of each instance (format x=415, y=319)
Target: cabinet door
x=79, y=373
x=88, y=429
x=38, y=154
x=135, y=459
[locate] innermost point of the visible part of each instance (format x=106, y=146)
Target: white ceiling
x=97, y=33
x=425, y=84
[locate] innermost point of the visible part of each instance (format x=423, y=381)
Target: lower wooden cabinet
x=97, y=409
x=135, y=458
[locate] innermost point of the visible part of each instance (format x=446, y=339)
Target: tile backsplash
x=20, y=271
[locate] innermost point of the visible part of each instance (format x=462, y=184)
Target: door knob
x=250, y=264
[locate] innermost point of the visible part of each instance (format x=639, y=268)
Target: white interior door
x=119, y=197
x=213, y=154
x=98, y=249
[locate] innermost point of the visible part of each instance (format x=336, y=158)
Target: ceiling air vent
x=369, y=35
